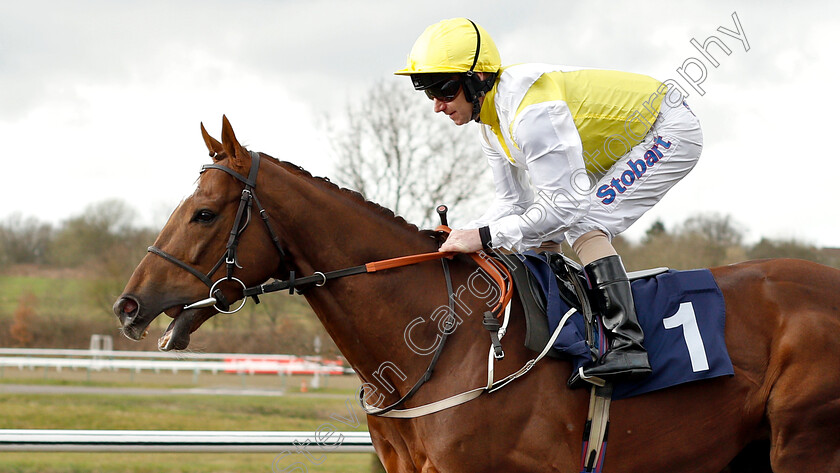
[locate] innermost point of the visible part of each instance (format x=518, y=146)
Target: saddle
x=574, y=291
x=572, y=288
x=677, y=310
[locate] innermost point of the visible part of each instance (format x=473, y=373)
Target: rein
x=320, y=278
x=498, y=272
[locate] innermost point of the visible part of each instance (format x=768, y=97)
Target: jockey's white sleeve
x=512, y=189
x=549, y=141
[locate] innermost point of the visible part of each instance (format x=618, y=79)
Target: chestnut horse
x=782, y=332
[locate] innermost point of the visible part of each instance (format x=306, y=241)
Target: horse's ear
x=239, y=157
x=213, y=144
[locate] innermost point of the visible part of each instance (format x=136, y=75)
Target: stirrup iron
x=591, y=379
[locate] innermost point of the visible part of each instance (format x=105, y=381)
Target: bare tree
x=24, y=240
x=395, y=151
x=87, y=237
x=721, y=230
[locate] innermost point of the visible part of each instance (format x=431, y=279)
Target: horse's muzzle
x=127, y=310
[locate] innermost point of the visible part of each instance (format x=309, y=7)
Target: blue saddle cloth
x=682, y=315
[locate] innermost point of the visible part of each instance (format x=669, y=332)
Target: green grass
x=37, y=411
x=294, y=411
x=177, y=412
x=338, y=385
x=99, y=384
x=52, y=294
x=38, y=285
x=31, y=462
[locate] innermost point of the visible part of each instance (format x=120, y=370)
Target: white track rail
x=137, y=361
x=183, y=441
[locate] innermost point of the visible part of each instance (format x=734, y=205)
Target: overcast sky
x=103, y=99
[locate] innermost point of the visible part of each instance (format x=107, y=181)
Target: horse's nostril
x=126, y=307
x=129, y=307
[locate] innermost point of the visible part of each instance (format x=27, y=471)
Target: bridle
x=228, y=258
x=243, y=217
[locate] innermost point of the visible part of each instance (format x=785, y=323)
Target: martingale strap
x=499, y=274
x=448, y=328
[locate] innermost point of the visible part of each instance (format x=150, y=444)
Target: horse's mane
x=352, y=195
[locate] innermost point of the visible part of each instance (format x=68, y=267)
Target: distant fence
x=137, y=361
x=181, y=441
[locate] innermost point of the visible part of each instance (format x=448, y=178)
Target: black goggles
x=445, y=91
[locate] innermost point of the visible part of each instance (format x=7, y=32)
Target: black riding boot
x=626, y=358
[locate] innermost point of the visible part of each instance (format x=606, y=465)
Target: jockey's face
x=458, y=110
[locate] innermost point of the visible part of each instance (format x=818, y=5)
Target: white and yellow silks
x=554, y=124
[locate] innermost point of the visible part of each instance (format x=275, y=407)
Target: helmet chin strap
x=475, y=88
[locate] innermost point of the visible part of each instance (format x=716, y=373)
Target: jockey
x=576, y=154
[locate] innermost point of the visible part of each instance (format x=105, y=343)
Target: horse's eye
x=204, y=216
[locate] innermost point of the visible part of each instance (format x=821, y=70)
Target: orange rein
x=498, y=272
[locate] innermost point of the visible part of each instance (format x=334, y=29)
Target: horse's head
x=211, y=236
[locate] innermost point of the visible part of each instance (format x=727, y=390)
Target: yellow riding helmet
x=453, y=46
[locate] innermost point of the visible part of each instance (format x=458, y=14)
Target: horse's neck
x=325, y=229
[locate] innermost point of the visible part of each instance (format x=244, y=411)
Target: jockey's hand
x=462, y=241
